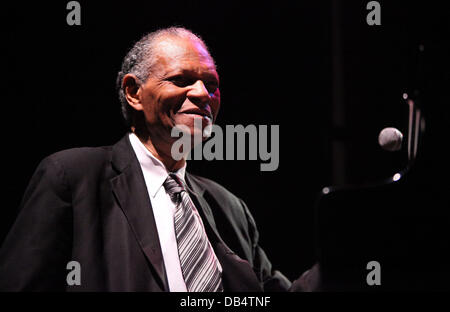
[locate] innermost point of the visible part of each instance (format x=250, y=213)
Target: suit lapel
x=238, y=275
x=196, y=192
x=131, y=193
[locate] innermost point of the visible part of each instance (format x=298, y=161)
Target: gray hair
x=141, y=59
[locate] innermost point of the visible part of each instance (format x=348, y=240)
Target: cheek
x=162, y=104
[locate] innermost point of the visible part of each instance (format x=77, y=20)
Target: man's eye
x=180, y=81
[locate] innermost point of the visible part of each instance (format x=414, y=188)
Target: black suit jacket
x=91, y=205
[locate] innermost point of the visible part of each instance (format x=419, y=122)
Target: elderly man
x=130, y=215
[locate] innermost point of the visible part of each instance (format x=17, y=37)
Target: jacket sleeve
x=272, y=280
x=37, y=249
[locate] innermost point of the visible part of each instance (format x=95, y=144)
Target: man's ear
x=131, y=87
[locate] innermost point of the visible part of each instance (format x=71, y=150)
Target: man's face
x=183, y=88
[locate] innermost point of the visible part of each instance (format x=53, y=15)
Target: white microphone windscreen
x=390, y=139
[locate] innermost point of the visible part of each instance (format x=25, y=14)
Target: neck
x=160, y=149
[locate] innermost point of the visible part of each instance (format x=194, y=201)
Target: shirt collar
x=155, y=172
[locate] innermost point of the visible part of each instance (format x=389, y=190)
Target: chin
x=195, y=127
x=197, y=133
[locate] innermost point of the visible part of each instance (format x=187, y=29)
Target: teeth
x=209, y=118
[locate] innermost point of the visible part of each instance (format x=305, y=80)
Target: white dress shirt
x=155, y=174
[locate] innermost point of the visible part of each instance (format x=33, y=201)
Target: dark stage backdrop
x=315, y=68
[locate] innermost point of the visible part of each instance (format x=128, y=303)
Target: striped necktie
x=198, y=262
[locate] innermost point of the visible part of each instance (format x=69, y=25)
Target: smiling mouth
x=206, y=115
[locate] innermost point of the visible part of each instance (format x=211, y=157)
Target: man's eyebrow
x=189, y=72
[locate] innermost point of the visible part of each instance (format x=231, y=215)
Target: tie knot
x=173, y=186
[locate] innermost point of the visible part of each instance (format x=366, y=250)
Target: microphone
x=390, y=139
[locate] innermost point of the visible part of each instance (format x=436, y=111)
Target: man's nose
x=198, y=94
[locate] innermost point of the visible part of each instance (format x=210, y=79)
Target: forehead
x=180, y=54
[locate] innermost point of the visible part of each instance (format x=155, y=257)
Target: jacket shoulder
x=82, y=155
x=80, y=161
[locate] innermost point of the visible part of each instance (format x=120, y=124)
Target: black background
x=279, y=64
